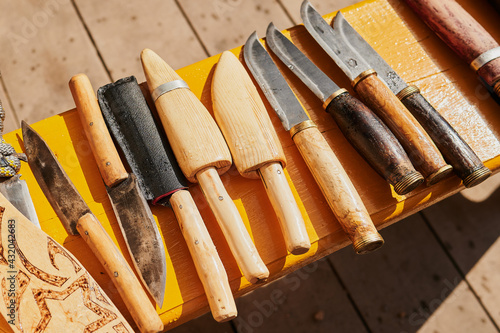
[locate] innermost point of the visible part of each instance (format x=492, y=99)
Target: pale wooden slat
x=322, y=6
x=122, y=29
x=470, y=232
x=223, y=25
x=308, y=300
x=43, y=45
x=398, y=287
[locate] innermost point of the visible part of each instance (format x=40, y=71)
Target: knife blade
x=418, y=145
x=364, y=130
x=151, y=159
x=16, y=191
x=254, y=144
x=134, y=216
x=455, y=150
x=327, y=170
x=464, y=35
x=79, y=220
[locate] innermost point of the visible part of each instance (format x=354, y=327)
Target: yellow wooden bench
x=413, y=51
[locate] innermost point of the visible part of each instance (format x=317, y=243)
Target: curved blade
x=384, y=71
x=16, y=191
x=333, y=41
x=273, y=84
x=319, y=83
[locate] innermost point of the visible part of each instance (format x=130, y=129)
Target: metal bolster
x=408, y=91
x=485, y=58
x=301, y=126
x=333, y=96
x=362, y=76
x=168, y=86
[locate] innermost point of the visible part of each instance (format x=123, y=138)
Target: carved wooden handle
x=418, y=145
x=375, y=142
x=455, y=150
x=460, y=31
x=338, y=190
x=284, y=204
x=235, y=232
x=105, y=153
x=121, y=274
x=205, y=257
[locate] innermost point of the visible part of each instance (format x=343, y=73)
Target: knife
x=327, y=170
x=202, y=154
x=418, y=145
x=255, y=146
x=134, y=216
x=151, y=159
x=464, y=35
x=78, y=219
x=367, y=133
x=455, y=150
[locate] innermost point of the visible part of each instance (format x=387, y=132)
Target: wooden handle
x=338, y=190
x=375, y=142
x=235, y=232
x=129, y=287
x=455, y=150
x=286, y=209
x=243, y=118
x=48, y=274
x=205, y=257
x=418, y=145
x=105, y=153
x=196, y=140
x=460, y=31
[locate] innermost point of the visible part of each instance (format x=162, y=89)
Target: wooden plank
x=11, y=117
x=470, y=232
x=228, y=23
x=121, y=30
x=44, y=44
x=308, y=300
x=410, y=284
x=322, y=6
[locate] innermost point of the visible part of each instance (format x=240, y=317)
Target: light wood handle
x=418, y=145
x=286, y=209
x=124, y=279
x=205, y=257
x=338, y=190
x=105, y=153
x=235, y=232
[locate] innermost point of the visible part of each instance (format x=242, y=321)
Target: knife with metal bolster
x=131, y=209
x=364, y=130
x=464, y=35
x=327, y=170
x=455, y=150
x=203, y=155
x=255, y=146
x=418, y=145
x=150, y=157
x=78, y=219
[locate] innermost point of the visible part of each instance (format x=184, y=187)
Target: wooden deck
x=439, y=270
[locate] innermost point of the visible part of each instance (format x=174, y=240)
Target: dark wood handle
x=418, y=145
x=460, y=31
x=338, y=190
x=375, y=142
x=455, y=150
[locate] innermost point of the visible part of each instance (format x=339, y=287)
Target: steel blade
x=141, y=235
x=53, y=180
x=317, y=81
x=333, y=41
x=384, y=71
x=273, y=84
x=17, y=193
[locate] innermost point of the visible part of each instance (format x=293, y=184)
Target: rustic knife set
x=398, y=133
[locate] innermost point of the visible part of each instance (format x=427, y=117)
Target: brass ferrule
x=439, y=175
x=496, y=88
x=477, y=177
x=333, y=96
x=362, y=76
x=408, y=91
x=301, y=126
x=368, y=244
x=408, y=183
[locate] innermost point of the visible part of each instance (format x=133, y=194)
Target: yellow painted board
x=407, y=45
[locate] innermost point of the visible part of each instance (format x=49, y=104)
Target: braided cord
x=10, y=161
